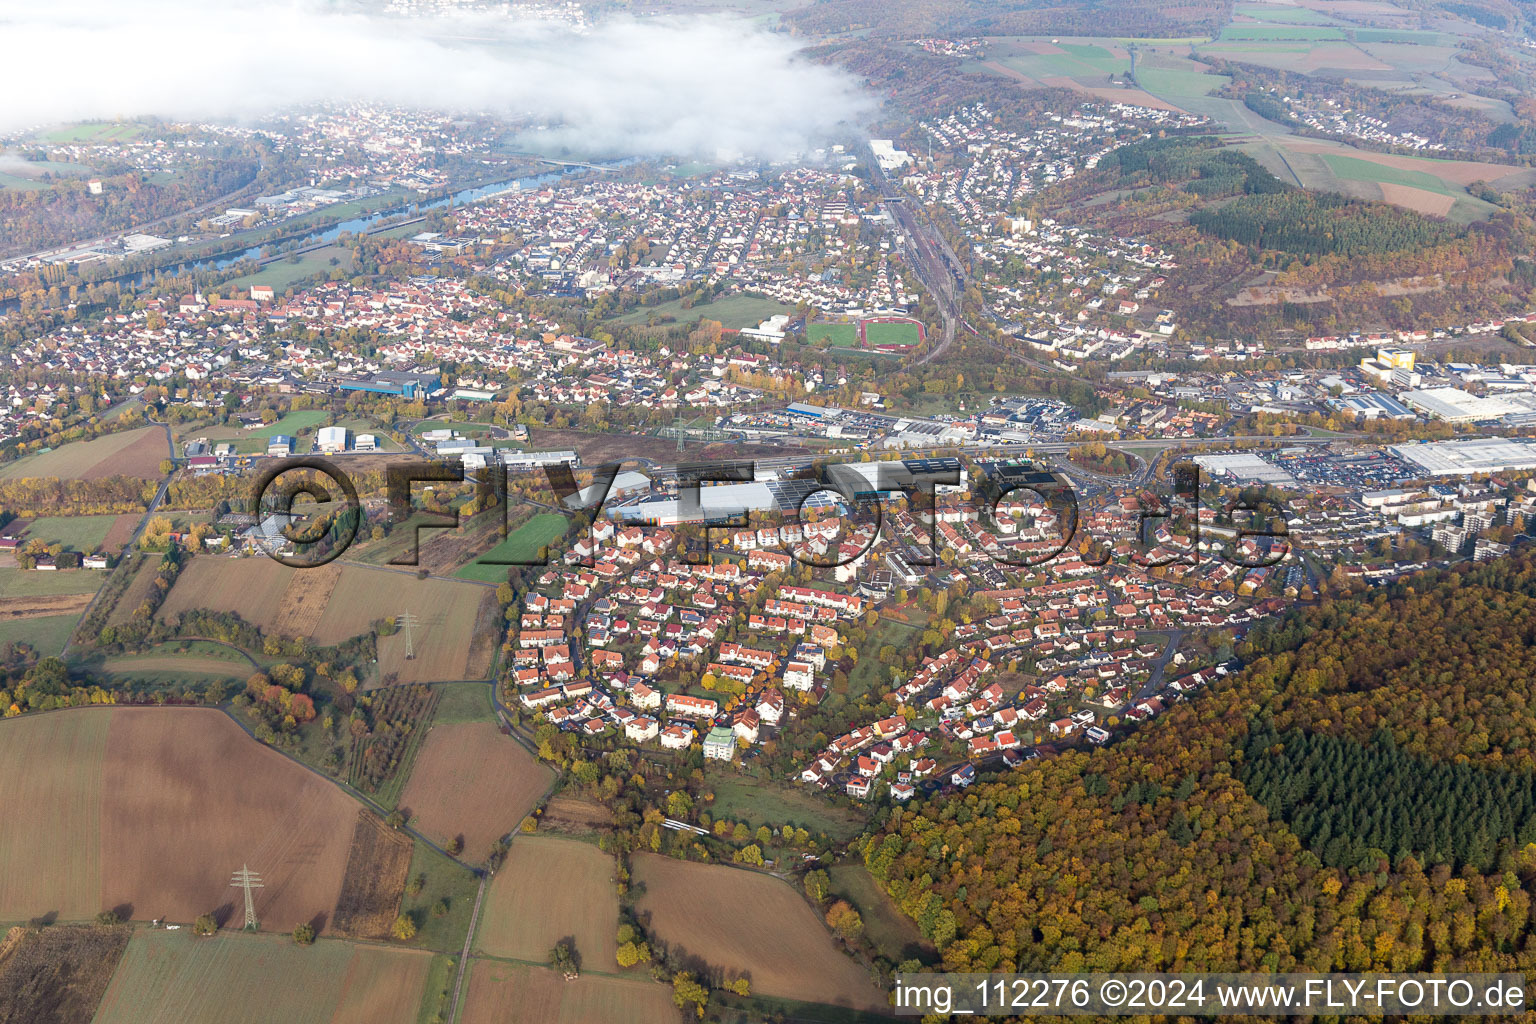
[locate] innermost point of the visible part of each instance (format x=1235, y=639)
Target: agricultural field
x=549, y=891
x=136, y=453
x=189, y=790
x=516, y=994
x=375, y=878
x=734, y=922
x=177, y=978
x=471, y=781
x=332, y=604
x=1083, y=65
x=47, y=634
x=16, y=582
x=57, y=974
x=77, y=533
x=95, y=132
x=1420, y=183
x=14, y=608
x=522, y=543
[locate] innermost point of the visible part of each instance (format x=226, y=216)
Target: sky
x=706, y=87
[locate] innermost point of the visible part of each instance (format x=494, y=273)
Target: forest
x=1350, y=801
x=1321, y=224
x=1154, y=854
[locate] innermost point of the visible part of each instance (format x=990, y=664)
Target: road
x=1160, y=667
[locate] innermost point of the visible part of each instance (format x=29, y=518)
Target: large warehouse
x=1469, y=457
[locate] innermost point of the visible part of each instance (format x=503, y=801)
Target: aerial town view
x=796, y=511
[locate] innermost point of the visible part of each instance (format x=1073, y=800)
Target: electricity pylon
x=406, y=621
x=247, y=879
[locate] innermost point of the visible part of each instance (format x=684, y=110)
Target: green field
x=47, y=634
x=289, y=270
x=734, y=311
x=1266, y=33
x=76, y=533
x=1282, y=14
x=903, y=334
x=21, y=184
x=298, y=421
x=1352, y=168
x=1171, y=84
x=522, y=543
x=758, y=802
x=448, y=880
x=25, y=583
x=839, y=335
x=463, y=702
x=95, y=131
x=1396, y=35
x=238, y=978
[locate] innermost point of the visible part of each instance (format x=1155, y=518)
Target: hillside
x=1171, y=851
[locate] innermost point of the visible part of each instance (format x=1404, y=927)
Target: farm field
x=1083, y=64
x=136, y=453
x=176, y=978
x=377, y=862
x=217, y=799
x=12, y=608
x=515, y=994
x=549, y=891
x=76, y=533
x=332, y=604
x=470, y=780
x=57, y=974
x=95, y=131
x=47, y=634
x=1428, y=185
x=743, y=923
x=522, y=543
x=15, y=582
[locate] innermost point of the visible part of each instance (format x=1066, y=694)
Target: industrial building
x=1467, y=458
x=394, y=382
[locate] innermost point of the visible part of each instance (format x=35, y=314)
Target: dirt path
x=469, y=938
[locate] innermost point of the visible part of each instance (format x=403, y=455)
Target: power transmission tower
x=247, y=879
x=406, y=621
